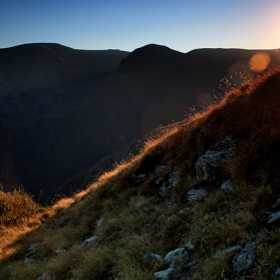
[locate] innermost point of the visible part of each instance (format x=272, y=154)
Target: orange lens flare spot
x=259, y=62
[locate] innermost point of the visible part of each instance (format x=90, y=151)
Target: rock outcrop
x=208, y=166
x=245, y=258
x=168, y=183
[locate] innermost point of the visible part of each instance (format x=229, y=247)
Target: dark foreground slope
x=201, y=202
x=63, y=110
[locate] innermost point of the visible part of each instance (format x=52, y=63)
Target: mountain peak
x=150, y=56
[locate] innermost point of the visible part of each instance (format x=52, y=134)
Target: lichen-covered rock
x=245, y=258
x=180, y=255
x=172, y=179
x=193, y=194
x=165, y=274
x=208, y=165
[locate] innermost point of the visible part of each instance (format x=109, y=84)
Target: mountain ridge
x=83, y=119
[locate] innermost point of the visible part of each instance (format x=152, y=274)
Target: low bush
x=15, y=207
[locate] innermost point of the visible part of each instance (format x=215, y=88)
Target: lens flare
x=259, y=62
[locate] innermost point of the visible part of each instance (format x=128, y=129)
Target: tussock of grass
x=217, y=268
x=268, y=252
x=136, y=221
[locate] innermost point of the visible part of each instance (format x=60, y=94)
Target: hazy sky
x=182, y=25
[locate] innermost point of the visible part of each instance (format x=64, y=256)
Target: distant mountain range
x=63, y=110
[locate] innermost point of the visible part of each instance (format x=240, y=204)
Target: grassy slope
x=218, y=221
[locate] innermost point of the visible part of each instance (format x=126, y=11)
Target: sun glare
x=259, y=62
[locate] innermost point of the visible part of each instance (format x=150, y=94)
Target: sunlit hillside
x=201, y=201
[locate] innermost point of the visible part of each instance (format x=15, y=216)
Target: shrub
x=15, y=207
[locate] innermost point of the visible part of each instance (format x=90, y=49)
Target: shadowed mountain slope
x=66, y=109
x=48, y=79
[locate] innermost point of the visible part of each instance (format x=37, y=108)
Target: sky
x=182, y=25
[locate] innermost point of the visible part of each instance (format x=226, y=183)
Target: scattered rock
x=180, y=255
x=276, y=204
x=172, y=179
x=44, y=225
x=159, y=180
x=190, y=246
x=32, y=248
x=191, y=263
x=182, y=211
x=60, y=250
x=134, y=210
x=227, y=186
x=37, y=251
x=229, y=250
x=159, y=168
x=245, y=258
x=90, y=241
x=193, y=194
x=273, y=217
x=99, y=222
x=176, y=260
x=165, y=274
x=35, y=257
x=29, y=261
x=277, y=272
x=208, y=165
